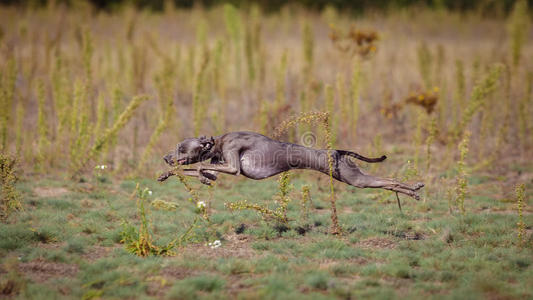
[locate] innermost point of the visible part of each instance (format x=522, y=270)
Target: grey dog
x=257, y=157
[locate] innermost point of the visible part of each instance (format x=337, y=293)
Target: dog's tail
x=363, y=158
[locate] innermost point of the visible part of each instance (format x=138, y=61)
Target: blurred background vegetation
x=486, y=7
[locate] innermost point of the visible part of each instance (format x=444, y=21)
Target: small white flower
x=215, y=244
x=149, y=193
x=200, y=204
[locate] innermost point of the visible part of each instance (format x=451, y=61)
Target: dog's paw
x=204, y=180
x=163, y=177
x=211, y=175
x=416, y=196
x=418, y=186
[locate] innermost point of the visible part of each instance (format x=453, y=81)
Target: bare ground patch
x=97, y=252
x=40, y=270
x=233, y=246
x=380, y=243
x=50, y=191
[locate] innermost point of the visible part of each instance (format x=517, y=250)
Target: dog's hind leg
x=369, y=181
x=352, y=175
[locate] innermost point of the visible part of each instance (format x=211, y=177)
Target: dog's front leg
x=232, y=165
x=204, y=176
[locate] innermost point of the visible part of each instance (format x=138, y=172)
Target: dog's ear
x=206, y=143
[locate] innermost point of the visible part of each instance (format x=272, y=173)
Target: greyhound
x=257, y=157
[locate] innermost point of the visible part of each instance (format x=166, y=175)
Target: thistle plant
x=305, y=202
x=141, y=241
x=166, y=99
x=199, y=107
x=82, y=136
x=19, y=126
x=116, y=108
x=280, y=82
x=459, y=95
x=7, y=94
x=518, y=29
x=220, y=87
x=425, y=61
x=304, y=117
x=335, y=228
x=257, y=57
x=249, y=52
x=88, y=50
x=263, y=116
x=109, y=133
x=432, y=133
x=234, y=28
x=330, y=108
x=279, y=214
x=520, y=199
x=164, y=205
x=323, y=119
x=355, y=91
x=61, y=96
x=265, y=212
x=195, y=197
x=43, y=142
x=461, y=188
x=308, y=43
x=191, y=68
x=525, y=110
x=420, y=122
x=344, y=106
x=9, y=196
x=284, y=184
x=441, y=58
x=479, y=95
x=101, y=115
x=74, y=120
x=304, y=106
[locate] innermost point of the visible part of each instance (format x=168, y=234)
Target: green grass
x=424, y=252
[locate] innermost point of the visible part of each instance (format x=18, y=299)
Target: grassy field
x=447, y=96
x=66, y=245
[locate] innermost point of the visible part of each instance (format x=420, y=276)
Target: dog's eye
x=181, y=149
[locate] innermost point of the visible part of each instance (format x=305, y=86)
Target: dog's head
x=190, y=151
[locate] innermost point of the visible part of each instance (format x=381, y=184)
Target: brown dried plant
x=426, y=100
x=354, y=41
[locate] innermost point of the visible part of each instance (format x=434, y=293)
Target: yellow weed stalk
x=7, y=94
x=432, y=133
x=425, y=64
x=10, y=198
x=280, y=82
x=43, y=141
x=308, y=44
x=305, y=202
x=461, y=188
x=109, y=133
x=234, y=29
x=166, y=100
x=19, y=127
x=518, y=29
x=479, y=95
x=198, y=102
x=330, y=108
x=355, y=91
x=520, y=200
